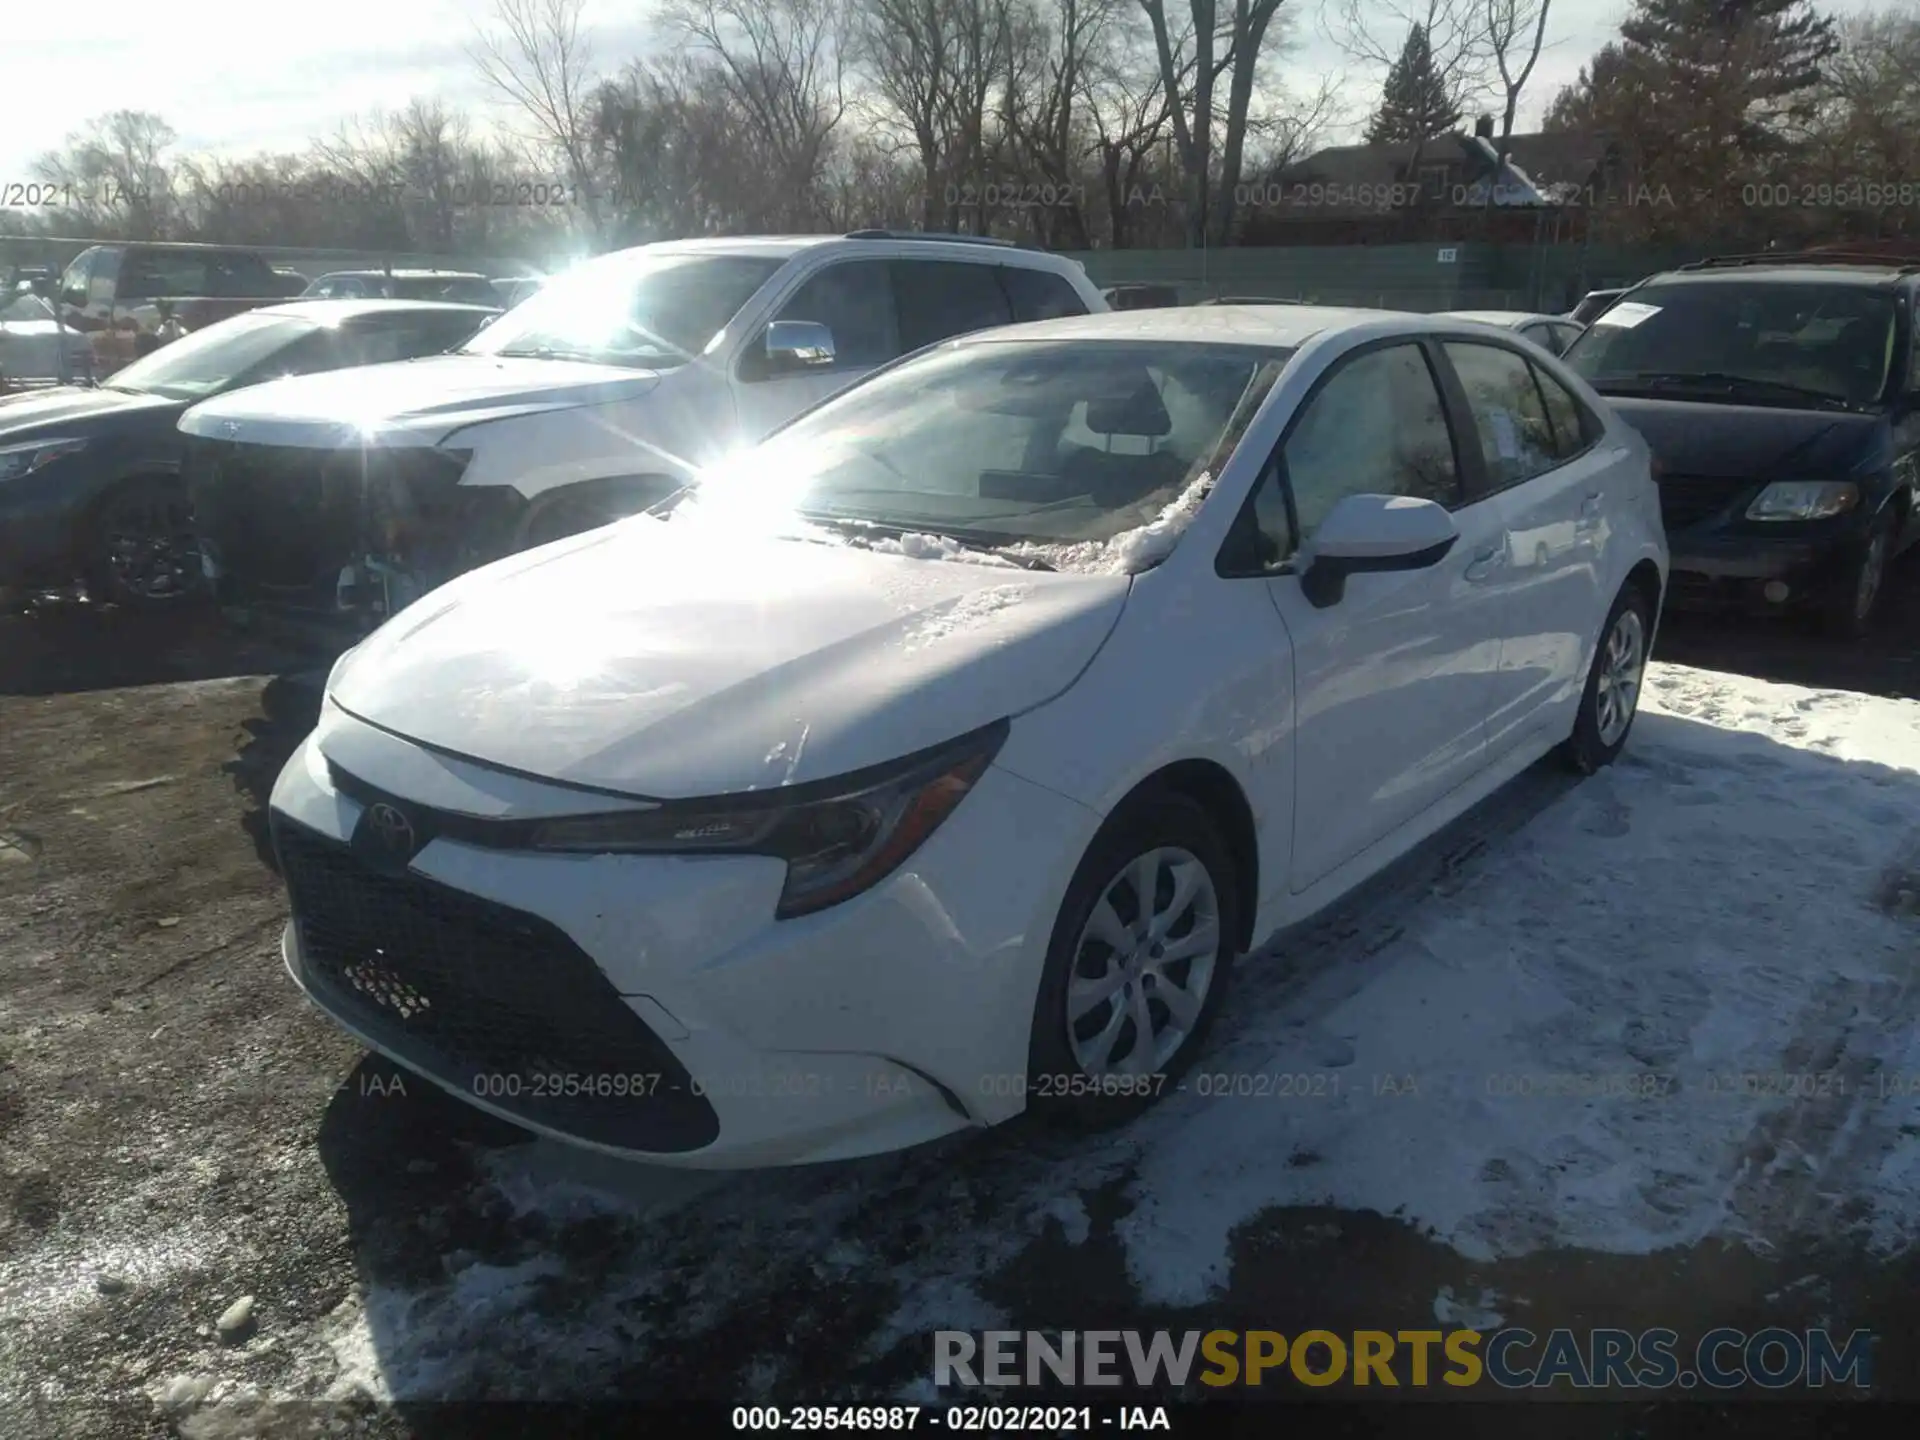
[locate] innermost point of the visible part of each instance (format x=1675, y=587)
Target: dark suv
x=1781, y=397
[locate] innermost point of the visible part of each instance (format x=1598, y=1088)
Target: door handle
x=1486, y=561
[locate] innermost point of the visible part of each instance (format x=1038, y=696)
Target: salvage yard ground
x=179, y=1130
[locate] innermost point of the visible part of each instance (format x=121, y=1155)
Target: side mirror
x=798, y=345
x=1374, y=534
x=75, y=297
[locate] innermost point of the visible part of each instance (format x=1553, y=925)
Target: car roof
x=1273, y=325
x=338, y=312
x=1867, y=276
x=1512, y=319
x=785, y=247
x=403, y=275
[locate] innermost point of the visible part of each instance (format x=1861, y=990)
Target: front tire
x=1138, y=965
x=1612, y=697
x=138, y=546
x=1855, y=602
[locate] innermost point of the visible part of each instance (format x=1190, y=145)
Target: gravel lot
x=178, y=1130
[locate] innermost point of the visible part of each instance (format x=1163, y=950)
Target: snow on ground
x=1550, y=1050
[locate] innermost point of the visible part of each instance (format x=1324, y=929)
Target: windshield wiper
x=543, y=352
x=1728, y=381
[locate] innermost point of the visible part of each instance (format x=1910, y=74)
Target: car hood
x=667, y=660
x=77, y=409
x=422, y=401
x=1749, y=442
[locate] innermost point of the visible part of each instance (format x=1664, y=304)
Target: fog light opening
x=1776, y=592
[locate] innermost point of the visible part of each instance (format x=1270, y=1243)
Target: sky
x=234, y=79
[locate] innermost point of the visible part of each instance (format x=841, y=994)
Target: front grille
x=1688, y=499
x=495, y=1002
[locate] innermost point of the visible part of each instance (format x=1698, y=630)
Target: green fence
x=1396, y=277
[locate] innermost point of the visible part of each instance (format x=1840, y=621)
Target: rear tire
x=1113, y=961
x=1612, y=697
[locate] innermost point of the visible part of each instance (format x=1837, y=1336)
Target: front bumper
x=36, y=533
x=1736, y=568
x=650, y=1006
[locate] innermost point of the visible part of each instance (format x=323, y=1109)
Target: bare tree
x=1131, y=113
x=538, y=58
x=1515, y=32
x=1246, y=39
x=1373, y=32
x=782, y=65
x=114, y=175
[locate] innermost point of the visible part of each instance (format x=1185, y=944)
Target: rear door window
x=938, y=299
x=1040, y=294
x=1516, y=438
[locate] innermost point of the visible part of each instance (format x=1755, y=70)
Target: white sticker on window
x=1627, y=314
x=1506, y=441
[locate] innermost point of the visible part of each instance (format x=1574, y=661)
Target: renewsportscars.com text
x=1509, y=1359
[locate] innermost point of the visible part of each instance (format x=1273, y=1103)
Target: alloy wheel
x=1144, y=964
x=1622, y=666
x=152, y=554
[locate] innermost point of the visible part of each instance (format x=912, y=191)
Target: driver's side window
x=1376, y=427
x=853, y=299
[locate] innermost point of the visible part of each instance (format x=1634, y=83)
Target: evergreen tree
x=1739, y=70
x=1415, y=103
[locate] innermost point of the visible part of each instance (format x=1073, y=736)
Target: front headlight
x=32, y=455
x=1804, y=500
x=839, y=837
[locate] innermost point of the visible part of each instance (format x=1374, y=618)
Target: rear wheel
x=1612, y=696
x=1138, y=965
x=139, y=549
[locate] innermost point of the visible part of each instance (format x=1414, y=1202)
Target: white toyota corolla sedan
x=940, y=756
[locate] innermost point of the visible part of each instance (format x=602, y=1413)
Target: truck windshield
x=197, y=365
x=647, y=311
x=1756, y=342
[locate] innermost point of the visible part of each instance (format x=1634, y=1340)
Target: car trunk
x=344, y=536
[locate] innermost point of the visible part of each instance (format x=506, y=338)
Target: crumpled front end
x=340, y=539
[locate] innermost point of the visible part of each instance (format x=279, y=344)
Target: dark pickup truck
x=130, y=299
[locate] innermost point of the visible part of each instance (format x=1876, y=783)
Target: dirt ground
x=179, y=1129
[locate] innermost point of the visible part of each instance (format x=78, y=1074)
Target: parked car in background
x=1553, y=333
x=952, y=745
x=1140, y=297
x=90, y=485
x=512, y=289
x=462, y=287
x=1592, y=304
x=35, y=347
x=595, y=398
x=41, y=280
x=1781, y=396
x=128, y=297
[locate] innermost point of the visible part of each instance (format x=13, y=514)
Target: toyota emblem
x=392, y=830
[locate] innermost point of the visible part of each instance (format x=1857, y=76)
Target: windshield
x=1006, y=443
x=647, y=310
x=25, y=307
x=1762, y=342
x=198, y=364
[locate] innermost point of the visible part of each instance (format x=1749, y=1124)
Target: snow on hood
x=428, y=398
x=1131, y=551
x=677, y=661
